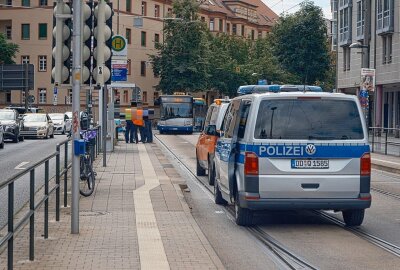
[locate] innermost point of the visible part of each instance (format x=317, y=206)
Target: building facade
x=381, y=51
x=29, y=24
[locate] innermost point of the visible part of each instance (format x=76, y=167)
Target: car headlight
x=161, y=123
x=188, y=123
x=42, y=128
x=11, y=126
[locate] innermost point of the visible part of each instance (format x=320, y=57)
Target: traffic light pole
x=59, y=41
x=76, y=82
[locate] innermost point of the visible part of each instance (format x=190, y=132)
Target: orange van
x=205, y=146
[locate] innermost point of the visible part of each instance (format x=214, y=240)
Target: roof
x=264, y=15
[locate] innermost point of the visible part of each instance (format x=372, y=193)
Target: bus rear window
x=295, y=119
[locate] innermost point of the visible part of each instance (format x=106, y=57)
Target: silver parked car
x=61, y=122
x=1, y=137
x=38, y=125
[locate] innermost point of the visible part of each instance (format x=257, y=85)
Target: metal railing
x=33, y=207
x=385, y=140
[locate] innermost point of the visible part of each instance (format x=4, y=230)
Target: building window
x=42, y=95
x=144, y=96
x=234, y=29
x=25, y=31
x=203, y=19
x=243, y=32
x=143, y=68
x=228, y=28
x=346, y=58
x=26, y=3
x=385, y=16
x=128, y=35
x=143, y=39
x=25, y=59
x=129, y=67
x=345, y=8
x=252, y=34
x=126, y=96
x=144, y=9
x=259, y=34
x=42, y=63
x=387, y=47
x=169, y=13
x=42, y=2
x=156, y=38
x=360, y=19
x=128, y=4
x=42, y=30
x=8, y=32
x=9, y=3
x=221, y=25
x=211, y=24
x=22, y=96
x=157, y=11
x=8, y=97
x=68, y=98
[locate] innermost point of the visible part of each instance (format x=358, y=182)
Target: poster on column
x=367, y=79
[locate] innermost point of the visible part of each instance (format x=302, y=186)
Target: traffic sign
x=118, y=46
x=55, y=90
x=119, y=71
x=31, y=99
x=55, y=99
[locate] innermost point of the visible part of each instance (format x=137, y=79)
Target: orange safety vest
x=138, y=119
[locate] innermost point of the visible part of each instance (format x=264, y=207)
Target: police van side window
x=208, y=117
x=231, y=118
x=243, y=118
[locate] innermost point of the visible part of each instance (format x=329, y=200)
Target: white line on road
x=21, y=165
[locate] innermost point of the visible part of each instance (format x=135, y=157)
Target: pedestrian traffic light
x=102, y=42
x=61, y=63
x=87, y=30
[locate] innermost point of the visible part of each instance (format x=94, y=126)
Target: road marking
x=21, y=165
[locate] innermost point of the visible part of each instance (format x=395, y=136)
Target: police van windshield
x=314, y=119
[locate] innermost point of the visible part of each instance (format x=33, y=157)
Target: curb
x=384, y=166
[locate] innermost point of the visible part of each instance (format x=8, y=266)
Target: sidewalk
x=385, y=162
x=136, y=219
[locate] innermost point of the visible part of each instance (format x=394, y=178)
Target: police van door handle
x=310, y=186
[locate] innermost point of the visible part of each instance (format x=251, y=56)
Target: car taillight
x=250, y=164
x=365, y=165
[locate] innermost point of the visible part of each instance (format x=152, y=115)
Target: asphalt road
x=321, y=243
x=18, y=156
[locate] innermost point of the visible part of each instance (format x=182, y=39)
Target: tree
x=300, y=43
x=182, y=61
x=8, y=50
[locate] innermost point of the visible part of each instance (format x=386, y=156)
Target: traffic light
x=61, y=63
x=102, y=42
x=87, y=26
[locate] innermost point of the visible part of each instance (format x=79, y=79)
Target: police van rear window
x=313, y=119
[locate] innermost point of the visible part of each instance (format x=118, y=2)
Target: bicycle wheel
x=87, y=181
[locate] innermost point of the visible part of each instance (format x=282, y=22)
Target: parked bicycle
x=87, y=174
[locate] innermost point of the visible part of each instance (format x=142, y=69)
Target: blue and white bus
x=176, y=114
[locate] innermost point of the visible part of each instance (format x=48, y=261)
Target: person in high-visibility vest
x=129, y=126
x=139, y=123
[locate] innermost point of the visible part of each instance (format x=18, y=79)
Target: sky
x=278, y=6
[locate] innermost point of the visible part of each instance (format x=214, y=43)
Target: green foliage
x=8, y=50
x=182, y=62
x=299, y=42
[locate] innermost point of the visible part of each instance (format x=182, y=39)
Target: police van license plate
x=310, y=164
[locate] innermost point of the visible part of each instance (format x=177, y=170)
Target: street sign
x=100, y=71
x=31, y=99
x=55, y=99
x=55, y=90
x=17, y=77
x=119, y=71
x=118, y=46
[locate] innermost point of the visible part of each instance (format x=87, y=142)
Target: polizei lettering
x=281, y=150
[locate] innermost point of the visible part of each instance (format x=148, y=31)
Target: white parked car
x=61, y=122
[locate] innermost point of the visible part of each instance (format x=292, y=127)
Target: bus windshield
x=176, y=110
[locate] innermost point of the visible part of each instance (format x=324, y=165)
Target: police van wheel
x=199, y=170
x=218, y=199
x=211, y=172
x=243, y=216
x=353, y=217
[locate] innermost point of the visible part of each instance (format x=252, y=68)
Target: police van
x=294, y=150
